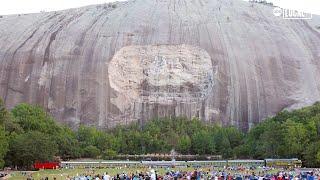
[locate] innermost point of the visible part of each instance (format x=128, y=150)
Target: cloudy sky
x=32, y=6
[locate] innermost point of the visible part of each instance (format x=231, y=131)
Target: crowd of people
x=209, y=174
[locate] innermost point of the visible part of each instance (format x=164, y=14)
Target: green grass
x=61, y=174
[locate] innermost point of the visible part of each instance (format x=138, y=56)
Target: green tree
x=109, y=154
x=202, y=143
x=184, y=145
x=222, y=142
x=68, y=145
x=265, y=140
x=234, y=136
x=288, y=134
x=4, y=114
x=294, y=138
x=27, y=148
x=3, y=146
x=87, y=136
x=34, y=118
x=91, y=152
x=311, y=155
x=5, y=120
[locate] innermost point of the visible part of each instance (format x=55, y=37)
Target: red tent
x=47, y=165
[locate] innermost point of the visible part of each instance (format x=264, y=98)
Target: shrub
x=109, y=154
x=91, y=152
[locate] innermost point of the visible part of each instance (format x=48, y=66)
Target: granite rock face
x=227, y=62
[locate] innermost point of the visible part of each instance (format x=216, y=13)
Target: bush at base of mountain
x=29, y=134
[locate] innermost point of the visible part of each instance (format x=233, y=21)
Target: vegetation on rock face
x=29, y=134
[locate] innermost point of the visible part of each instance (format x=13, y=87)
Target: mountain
x=225, y=61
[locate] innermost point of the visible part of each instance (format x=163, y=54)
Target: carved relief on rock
x=164, y=75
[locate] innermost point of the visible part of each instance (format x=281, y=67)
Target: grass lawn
x=61, y=174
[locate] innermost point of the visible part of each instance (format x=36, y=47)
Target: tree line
x=28, y=134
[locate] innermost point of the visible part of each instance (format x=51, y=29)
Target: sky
x=34, y=6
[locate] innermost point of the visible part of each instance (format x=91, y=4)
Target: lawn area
x=61, y=174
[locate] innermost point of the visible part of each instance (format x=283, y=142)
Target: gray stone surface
x=249, y=64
